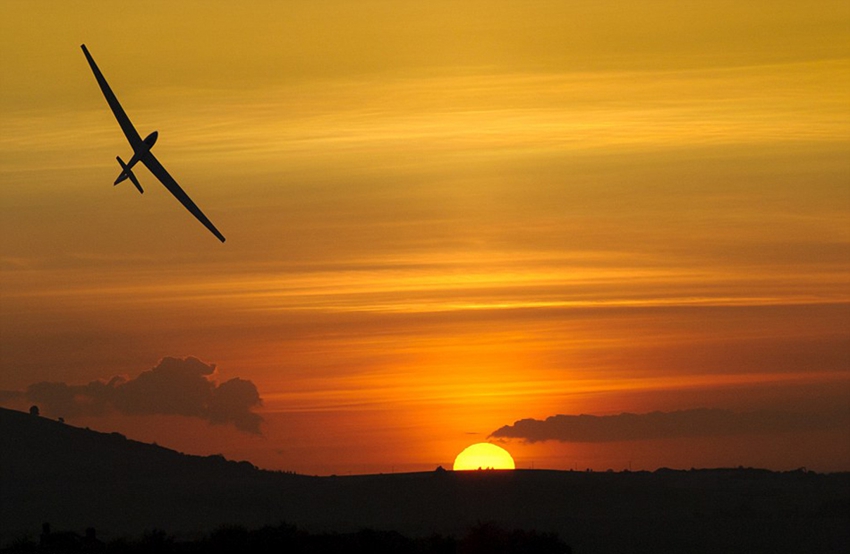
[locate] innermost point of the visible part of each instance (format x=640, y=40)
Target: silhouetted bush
x=22, y=544
x=229, y=538
x=157, y=541
x=268, y=540
x=491, y=539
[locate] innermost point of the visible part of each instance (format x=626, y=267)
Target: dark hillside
x=76, y=478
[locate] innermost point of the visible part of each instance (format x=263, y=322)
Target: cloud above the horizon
x=176, y=386
x=701, y=422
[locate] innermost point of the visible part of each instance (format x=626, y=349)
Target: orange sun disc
x=484, y=456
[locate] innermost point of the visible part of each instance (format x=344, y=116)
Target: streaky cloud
x=176, y=386
x=700, y=422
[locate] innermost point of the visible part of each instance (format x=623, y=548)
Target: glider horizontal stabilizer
x=127, y=173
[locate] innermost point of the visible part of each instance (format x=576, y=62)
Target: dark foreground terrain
x=131, y=492
x=285, y=538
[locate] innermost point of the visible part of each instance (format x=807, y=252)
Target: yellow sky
x=441, y=217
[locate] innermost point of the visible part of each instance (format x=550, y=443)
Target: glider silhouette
x=142, y=152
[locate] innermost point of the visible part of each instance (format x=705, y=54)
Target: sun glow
x=483, y=456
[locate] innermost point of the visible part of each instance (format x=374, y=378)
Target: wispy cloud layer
x=174, y=387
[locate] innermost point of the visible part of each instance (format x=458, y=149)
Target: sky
x=599, y=234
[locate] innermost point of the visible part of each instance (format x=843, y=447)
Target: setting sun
x=483, y=456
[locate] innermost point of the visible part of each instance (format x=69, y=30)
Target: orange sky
x=441, y=218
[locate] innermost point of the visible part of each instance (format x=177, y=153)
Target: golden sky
x=442, y=218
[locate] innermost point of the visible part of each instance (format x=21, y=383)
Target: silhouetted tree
x=61, y=541
x=34, y=410
x=484, y=539
x=274, y=540
x=91, y=543
x=157, y=541
x=229, y=538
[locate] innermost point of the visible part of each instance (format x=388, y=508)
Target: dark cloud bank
x=174, y=387
x=701, y=422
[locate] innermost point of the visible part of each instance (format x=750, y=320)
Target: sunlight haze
x=441, y=219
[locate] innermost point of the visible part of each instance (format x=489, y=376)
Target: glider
x=142, y=153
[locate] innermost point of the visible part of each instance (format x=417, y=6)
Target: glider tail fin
x=125, y=173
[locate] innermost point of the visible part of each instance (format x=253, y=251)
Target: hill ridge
x=77, y=478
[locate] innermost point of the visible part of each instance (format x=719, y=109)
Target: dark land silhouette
x=135, y=494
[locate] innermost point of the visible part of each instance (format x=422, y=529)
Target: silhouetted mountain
x=76, y=479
